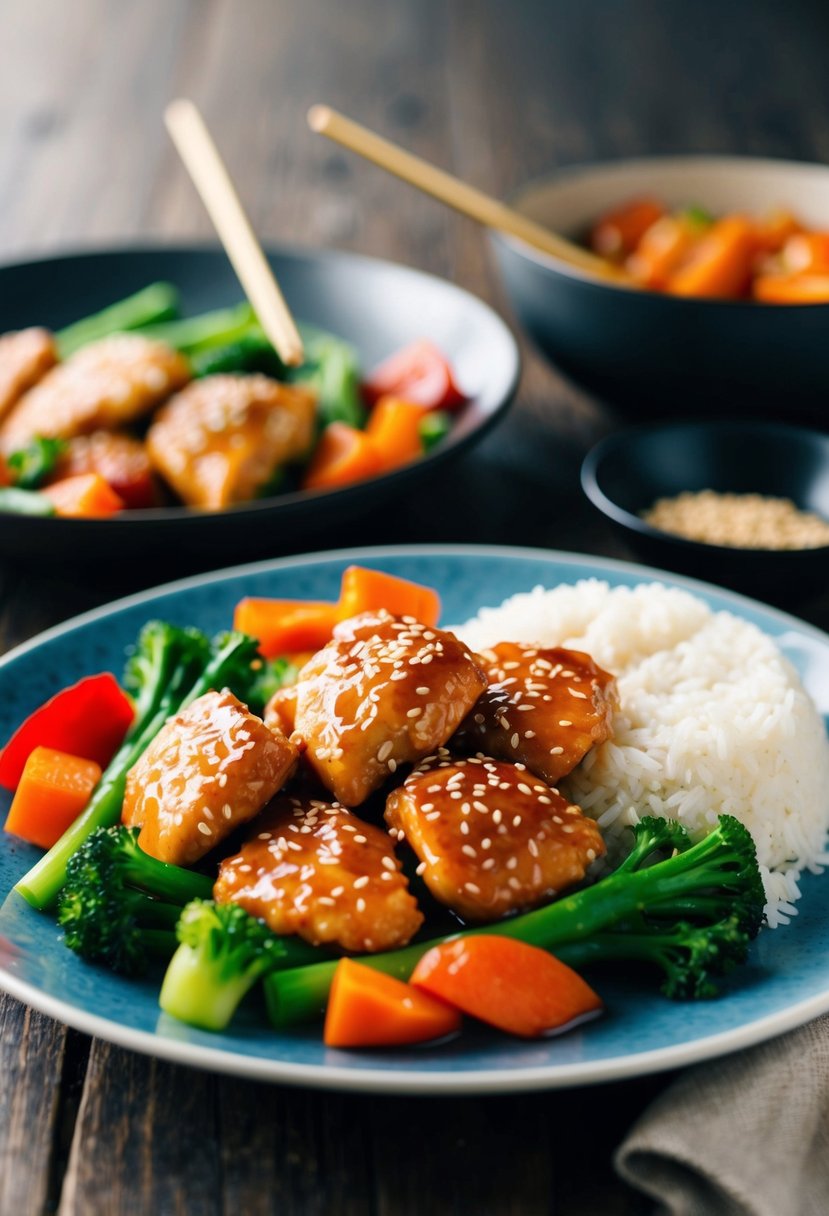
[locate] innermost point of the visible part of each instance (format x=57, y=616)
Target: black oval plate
x=378, y=306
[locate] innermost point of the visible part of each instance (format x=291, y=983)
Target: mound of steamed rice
x=712, y=719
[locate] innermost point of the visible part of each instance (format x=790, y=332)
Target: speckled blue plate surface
x=785, y=984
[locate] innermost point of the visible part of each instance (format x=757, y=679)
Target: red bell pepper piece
x=418, y=373
x=89, y=719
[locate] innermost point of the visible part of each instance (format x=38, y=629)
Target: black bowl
x=378, y=306
x=655, y=355
x=625, y=474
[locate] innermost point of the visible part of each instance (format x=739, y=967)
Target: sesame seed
x=392, y=765
x=514, y=741
x=335, y=891
x=471, y=888
x=532, y=848
x=361, y=882
x=489, y=864
x=464, y=828
x=415, y=712
x=574, y=692
x=565, y=722
x=468, y=850
x=205, y=830
x=428, y=806
x=360, y=905
x=544, y=800
x=361, y=840
x=388, y=863
x=422, y=690
x=384, y=750
x=556, y=751
x=326, y=900
x=420, y=869
x=524, y=788
x=516, y=821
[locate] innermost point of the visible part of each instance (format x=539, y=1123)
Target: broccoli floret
x=169, y=668
x=223, y=951
x=689, y=956
x=692, y=914
x=120, y=906
x=30, y=466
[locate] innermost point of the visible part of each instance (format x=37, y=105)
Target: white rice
x=712, y=719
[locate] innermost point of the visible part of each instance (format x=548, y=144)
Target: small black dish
x=627, y=472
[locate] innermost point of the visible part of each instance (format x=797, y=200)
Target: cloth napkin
x=747, y=1135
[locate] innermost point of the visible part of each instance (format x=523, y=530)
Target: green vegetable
x=251, y=353
x=33, y=464
x=120, y=906
x=157, y=302
x=223, y=952
x=169, y=669
x=269, y=676
x=209, y=331
x=698, y=216
x=691, y=914
x=24, y=502
x=434, y=426
x=332, y=370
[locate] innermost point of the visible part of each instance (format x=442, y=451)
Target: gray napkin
x=747, y=1135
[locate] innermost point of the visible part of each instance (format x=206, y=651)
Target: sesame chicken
x=25, y=357
x=222, y=439
x=543, y=707
x=280, y=711
x=491, y=838
x=210, y=768
x=314, y=869
x=105, y=385
x=384, y=692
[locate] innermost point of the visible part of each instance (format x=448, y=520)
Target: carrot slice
x=85, y=496
x=719, y=265
x=792, y=288
x=364, y=590
x=369, y=1009
x=343, y=455
x=661, y=250
x=394, y=429
x=505, y=982
x=617, y=233
x=53, y=790
x=286, y=626
x=806, y=253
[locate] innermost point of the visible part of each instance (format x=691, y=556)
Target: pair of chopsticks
x=202, y=159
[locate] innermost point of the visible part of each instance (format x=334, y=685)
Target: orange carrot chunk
x=661, y=250
x=365, y=590
x=719, y=265
x=505, y=982
x=84, y=496
x=286, y=626
x=792, y=288
x=774, y=229
x=394, y=429
x=806, y=253
x=617, y=233
x=369, y=1009
x=343, y=455
x=53, y=790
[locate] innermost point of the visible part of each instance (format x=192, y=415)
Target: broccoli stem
x=157, y=302
x=723, y=864
x=199, y=994
x=25, y=502
x=40, y=886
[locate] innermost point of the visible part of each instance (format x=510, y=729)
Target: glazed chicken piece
x=280, y=712
x=105, y=385
x=314, y=869
x=25, y=357
x=210, y=768
x=543, y=708
x=120, y=459
x=223, y=438
x=491, y=838
x=385, y=691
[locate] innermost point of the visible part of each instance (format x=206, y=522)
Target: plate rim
x=389, y=1080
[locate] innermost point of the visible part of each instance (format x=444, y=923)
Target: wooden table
x=498, y=93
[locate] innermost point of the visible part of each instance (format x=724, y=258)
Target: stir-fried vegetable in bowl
x=135, y=407
x=364, y=829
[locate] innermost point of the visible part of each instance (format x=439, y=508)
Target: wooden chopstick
x=210, y=177
x=454, y=192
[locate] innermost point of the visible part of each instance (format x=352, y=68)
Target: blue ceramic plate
x=785, y=984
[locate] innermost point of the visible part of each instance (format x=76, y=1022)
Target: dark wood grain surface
x=498, y=93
